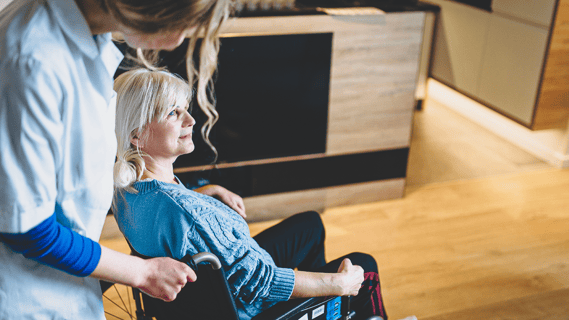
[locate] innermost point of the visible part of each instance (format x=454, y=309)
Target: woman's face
x=170, y=138
x=159, y=41
x=164, y=40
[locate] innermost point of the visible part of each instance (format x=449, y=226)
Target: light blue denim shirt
x=165, y=219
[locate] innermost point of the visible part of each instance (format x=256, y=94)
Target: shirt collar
x=74, y=25
x=108, y=49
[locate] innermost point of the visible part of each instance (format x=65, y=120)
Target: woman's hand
x=165, y=278
x=162, y=278
x=346, y=282
x=231, y=199
x=353, y=276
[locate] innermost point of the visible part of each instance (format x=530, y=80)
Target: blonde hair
x=155, y=16
x=142, y=96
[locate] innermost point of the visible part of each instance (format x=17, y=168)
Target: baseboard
x=534, y=142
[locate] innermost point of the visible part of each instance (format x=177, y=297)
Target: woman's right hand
x=353, y=276
x=161, y=278
x=165, y=278
x=234, y=201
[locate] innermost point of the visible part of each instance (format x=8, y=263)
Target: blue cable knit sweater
x=165, y=219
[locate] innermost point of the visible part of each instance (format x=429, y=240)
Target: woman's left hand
x=353, y=277
x=231, y=199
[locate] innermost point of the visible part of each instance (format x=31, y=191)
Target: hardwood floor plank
x=552, y=305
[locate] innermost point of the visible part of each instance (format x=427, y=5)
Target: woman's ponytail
x=128, y=169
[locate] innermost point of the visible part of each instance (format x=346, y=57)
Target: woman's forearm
x=159, y=277
x=120, y=268
x=315, y=284
x=346, y=282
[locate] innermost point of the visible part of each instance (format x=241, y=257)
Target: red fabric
x=372, y=285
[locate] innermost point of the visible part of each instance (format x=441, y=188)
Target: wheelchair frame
x=207, y=265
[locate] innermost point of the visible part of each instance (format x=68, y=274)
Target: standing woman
x=57, y=147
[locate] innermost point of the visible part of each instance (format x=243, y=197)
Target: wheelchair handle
x=203, y=257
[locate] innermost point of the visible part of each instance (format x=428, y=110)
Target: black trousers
x=298, y=242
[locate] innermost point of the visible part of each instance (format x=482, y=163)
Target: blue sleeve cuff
x=57, y=246
x=283, y=284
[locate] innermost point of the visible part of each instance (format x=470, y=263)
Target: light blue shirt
x=57, y=142
x=165, y=219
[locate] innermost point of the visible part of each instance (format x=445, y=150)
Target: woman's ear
x=137, y=142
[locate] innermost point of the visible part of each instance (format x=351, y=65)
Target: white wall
x=4, y=3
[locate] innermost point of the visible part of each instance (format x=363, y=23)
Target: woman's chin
x=190, y=149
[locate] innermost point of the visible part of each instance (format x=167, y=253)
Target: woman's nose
x=189, y=120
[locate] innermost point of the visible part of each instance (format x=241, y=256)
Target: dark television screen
x=481, y=4
x=272, y=97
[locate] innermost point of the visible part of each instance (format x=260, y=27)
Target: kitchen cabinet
x=458, y=47
x=512, y=59
x=537, y=12
x=511, y=67
x=373, y=71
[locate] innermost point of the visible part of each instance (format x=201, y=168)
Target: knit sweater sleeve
x=251, y=272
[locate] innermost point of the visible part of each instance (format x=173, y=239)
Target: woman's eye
x=172, y=113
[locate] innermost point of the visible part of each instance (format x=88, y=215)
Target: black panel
x=272, y=96
x=288, y=176
x=481, y=4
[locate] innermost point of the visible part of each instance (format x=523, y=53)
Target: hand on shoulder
x=231, y=199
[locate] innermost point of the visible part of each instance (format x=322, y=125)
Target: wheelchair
x=209, y=297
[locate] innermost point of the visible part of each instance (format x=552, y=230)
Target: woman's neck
x=159, y=171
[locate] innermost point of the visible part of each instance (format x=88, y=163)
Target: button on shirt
x=57, y=145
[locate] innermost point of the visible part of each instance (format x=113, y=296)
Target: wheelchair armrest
x=202, y=257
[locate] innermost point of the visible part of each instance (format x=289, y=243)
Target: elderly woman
x=161, y=217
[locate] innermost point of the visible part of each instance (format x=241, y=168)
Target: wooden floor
x=455, y=246
x=490, y=240
x=445, y=147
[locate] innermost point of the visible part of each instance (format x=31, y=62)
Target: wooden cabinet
x=552, y=107
x=373, y=76
x=512, y=59
x=372, y=86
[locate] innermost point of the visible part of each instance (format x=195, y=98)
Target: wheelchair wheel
x=123, y=302
x=119, y=303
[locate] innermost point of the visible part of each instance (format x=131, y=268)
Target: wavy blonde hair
x=155, y=16
x=143, y=95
